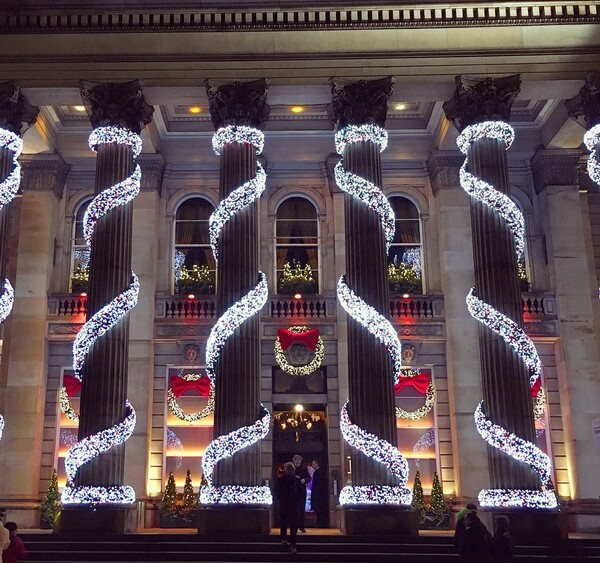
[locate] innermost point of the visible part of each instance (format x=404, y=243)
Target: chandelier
x=297, y=419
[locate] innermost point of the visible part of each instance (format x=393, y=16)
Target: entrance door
x=300, y=429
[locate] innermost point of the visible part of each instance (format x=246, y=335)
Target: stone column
x=463, y=363
x=104, y=386
x=578, y=360
x=507, y=399
x=237, y=389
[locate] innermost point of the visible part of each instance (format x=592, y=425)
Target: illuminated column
x=118, y=112
x=509, y=362
x=585, y=108
x=368, y=420
x=16, y=115
x=238, y=112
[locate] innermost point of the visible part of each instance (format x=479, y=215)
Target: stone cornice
x=132, y=19
x=444, y=169
x=44, y=173
x=555, y=167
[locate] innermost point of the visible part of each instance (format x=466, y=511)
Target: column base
x=237, y=519
x=101, y=520
x=379, y=521
x=534, y=526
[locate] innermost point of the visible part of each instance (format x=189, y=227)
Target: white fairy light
x=243, y=195
x=486, y=193
x=361, y=188
x=382, y=452
x=422, y=411
x=514, y=336
x=1, y=426
x=176, y=410
x=9, y=186
x=374, y=322
x=591, y=140
x=226, y=446
x=7, y=299
x=101, y=322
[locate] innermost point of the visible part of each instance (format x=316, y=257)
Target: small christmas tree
x=50, y=504
x=437, y=505
x=170, y=494
x=418, y=500
x=189, y=498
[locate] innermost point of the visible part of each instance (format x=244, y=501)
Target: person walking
x=502, y=546
x=288, y=490
x=320, y=494
x=304, y=475
x=477, y=542
x=459, y=531
x=16, y=548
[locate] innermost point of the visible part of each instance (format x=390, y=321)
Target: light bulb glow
x=96, y=327
x=1, y=426
x=7, y=299
x=591, y=140
x=512, y=334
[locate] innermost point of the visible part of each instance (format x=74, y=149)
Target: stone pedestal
x=379, y=521
x=535, y=527
x=233, y=521
x=99, y=521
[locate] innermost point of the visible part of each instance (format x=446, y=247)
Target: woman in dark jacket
x=502, y=546
x=477, y=541
x=288, y=491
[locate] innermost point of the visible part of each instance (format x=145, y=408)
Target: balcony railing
x=184, y=308
x=67, y=305
x=316, y=307
x=421, y=307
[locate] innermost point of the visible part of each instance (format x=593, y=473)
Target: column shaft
x=505, y=378
x=6, y=157
x=237, y=392
x=369, y=367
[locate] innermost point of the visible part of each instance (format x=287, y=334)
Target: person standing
x=502, y=546
x=288, y=490
x=477, y=542
x=16, y=548
x=459, y=531
x=304, y=475
x=320, y=494
x=4, y=537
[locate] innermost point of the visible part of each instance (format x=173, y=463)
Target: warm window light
x=401, y=106
x=297, y=296
x=191, y=296
x=298, y=408
x=297, y=109
x=405, y=295
x=195, y=109
x=79, y=108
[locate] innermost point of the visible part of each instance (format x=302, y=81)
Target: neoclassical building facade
x=422, y=73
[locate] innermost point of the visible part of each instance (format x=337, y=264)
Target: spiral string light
x=106, y=318
x=376, y=324
x=227, y=445
x=496, y=436
x=591, y=140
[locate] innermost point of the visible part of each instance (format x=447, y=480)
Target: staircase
x=167, y=547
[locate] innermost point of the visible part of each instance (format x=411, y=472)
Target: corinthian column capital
x=585, y=107
x=359, y=103
x=16, y=113
x=239, y=103
x=481, y=99
x=119, y=105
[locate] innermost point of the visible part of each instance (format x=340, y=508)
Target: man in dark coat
x=288, y=490
x=304, y=476
x=477, y=542
x=320, y=494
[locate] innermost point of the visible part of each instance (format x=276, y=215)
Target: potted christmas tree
x=438, y=515
x=50, y=505
x=418, y=500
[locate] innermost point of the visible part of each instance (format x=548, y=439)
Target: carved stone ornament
x=359, y=103
x=16, y=113
x=477, y=99
x=585, y=107
x=239, y=103
x=555, y=167
x=116, y=104
x=444, y=170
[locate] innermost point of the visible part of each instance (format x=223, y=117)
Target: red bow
x=419, y=382
x=71, y=384
x=180, y=386
x=287, y=337
x=535, y=388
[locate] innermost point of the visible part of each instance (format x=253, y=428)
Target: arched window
x=405, y=269
x=80, y=253
x=194, y=266
x=297, y=247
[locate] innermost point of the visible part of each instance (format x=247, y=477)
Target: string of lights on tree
x=227, y=445
x=307, y=369
x=592, y=140
x=243, y=195
x=376, y=324
x=107, y=317
x=495, y=435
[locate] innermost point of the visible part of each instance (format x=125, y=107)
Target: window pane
x=407, y=232
x=194, y=209
x=296, y=231
x=404, y=208
x=296, y=208
x=191, y=232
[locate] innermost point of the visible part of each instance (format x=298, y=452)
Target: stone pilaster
x=567, y=233
x=505, y=379
x=104, y=387
x=34, y=231
x=463, y=362
x=370, y=382
x=237, y=392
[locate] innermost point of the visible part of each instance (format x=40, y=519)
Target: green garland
x=297, y=279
